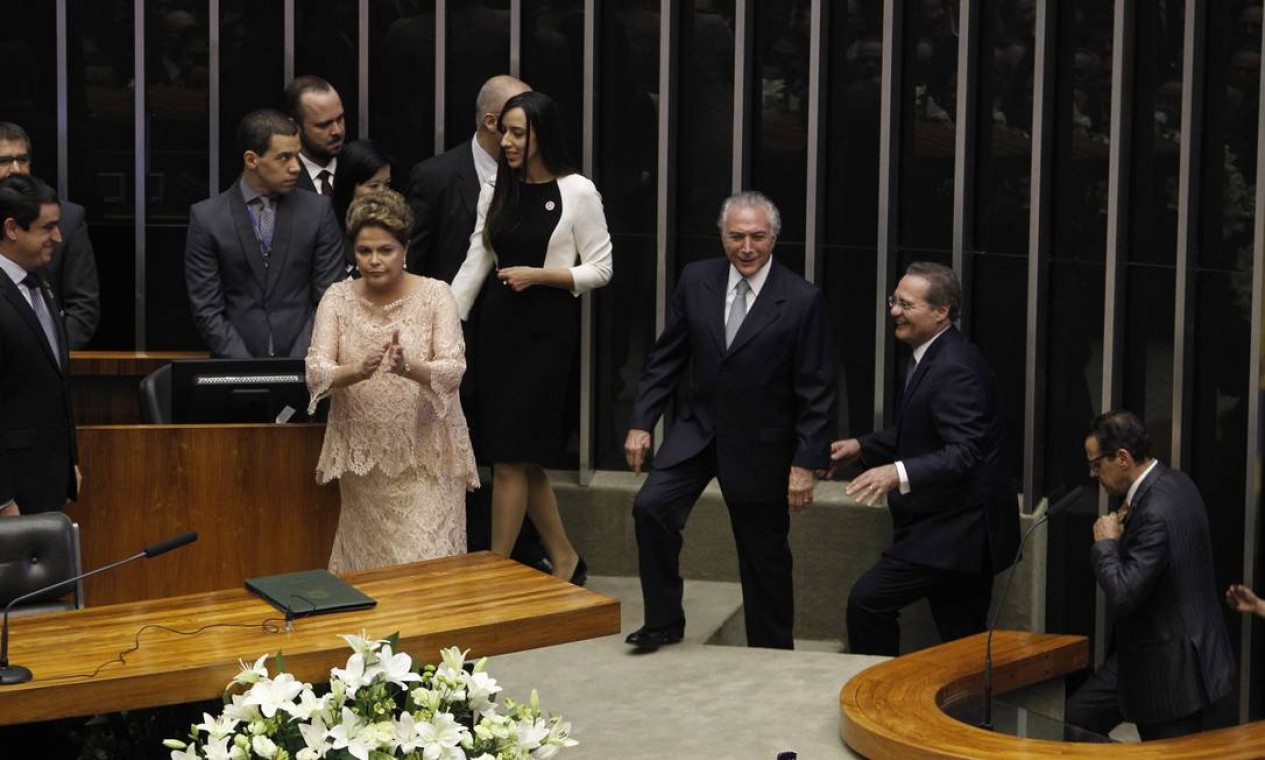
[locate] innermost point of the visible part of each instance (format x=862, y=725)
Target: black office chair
x=36, y=551
x=155, y=396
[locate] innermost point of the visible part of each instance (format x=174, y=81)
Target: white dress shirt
x=484, y=164
x=755, y=282
x=313, y=169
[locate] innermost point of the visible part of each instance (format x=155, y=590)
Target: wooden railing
x=892, y=710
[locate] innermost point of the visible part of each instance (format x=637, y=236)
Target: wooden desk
x=483, y=602
x=892, y=710
x=105, y=385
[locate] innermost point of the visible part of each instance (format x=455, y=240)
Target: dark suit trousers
x=764, y=552
x=959, y=603
x=1095, y=707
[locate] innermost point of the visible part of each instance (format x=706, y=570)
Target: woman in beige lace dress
x=387, y=349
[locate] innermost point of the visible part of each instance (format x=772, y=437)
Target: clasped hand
x=389, y=357
x=518, y=278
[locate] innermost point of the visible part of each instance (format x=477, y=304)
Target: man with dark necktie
x=38, y=459
x=1153, y=560
x=314, y=105
x=259, y=256
x=942, y=467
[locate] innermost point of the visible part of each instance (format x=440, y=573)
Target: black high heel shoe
x=581, y=574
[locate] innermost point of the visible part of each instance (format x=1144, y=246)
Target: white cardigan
x=581, y=233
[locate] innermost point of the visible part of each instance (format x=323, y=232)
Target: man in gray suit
x=1153, y=559
x=260, y=254
x=72, y=271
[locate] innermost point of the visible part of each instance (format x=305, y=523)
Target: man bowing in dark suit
x=260, y=255
x=1153, y=559
x=942, y=467
x=38, y=459
x=754, y=338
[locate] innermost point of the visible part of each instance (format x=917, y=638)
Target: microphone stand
x=14, y=674
x=1059, y=506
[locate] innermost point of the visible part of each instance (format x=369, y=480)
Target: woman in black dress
x=542, y=229
x=363, y=168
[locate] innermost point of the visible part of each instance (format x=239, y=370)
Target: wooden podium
x=893, y=710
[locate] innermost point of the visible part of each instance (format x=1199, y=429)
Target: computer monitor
x=225, y=391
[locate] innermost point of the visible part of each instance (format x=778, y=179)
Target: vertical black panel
x=176, y=77
x=326, y=44
x=1079, y=167
x=928, y=105
x=252, y=73
x=28, y=79
x=850, y=208
x=1003, y=166
x=778, y=98
x=553, y=60
x=478, y=48
x=402, y=83
x=626, y=172
x=1222, y=281
x=1152, y=223
x=705, y=142
x=102, y=154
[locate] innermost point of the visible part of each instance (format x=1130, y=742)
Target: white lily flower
x=238, y=710
x=217, y=728
x=353, y=676
x=440, y=738
x=315, y=735
x=272, y=695
x=221, y=750
x=251, y=673
x=183, y=753
x=396, y=668
x=264, y=747
x=309, y=706
x=479, y=689
x=531, y=733
x=362, y=644
x=453, y=658
x=352, y=734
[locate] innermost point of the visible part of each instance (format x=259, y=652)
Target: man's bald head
x=493, y=94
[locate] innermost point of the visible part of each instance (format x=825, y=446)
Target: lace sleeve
x=322, y=354
x=448, y=345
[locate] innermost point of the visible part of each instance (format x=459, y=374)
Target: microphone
x=14, y=674
x=1059, y=506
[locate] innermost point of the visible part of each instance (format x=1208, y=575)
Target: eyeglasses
x=22, y=159
x=1096, y=463
x=893, y=302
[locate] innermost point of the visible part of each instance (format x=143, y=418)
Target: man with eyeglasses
x=942, y=467
x=1153, y=559
x=72, y=270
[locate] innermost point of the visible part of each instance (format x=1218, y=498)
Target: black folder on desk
x=309, y=592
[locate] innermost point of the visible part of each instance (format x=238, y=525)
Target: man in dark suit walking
x=259, y=255
x=72, y=271
x=1153, y=559
x=942, y=467
x=38, y=459
x=755, y=339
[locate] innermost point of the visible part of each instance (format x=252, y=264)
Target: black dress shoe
x=580, y=576
x=651, y=639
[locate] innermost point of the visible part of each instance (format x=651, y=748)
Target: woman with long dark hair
x=363, y=168
x=542, y=231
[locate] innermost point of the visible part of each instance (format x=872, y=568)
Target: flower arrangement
x=377, y=707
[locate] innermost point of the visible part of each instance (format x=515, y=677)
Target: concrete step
x=688, y=700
